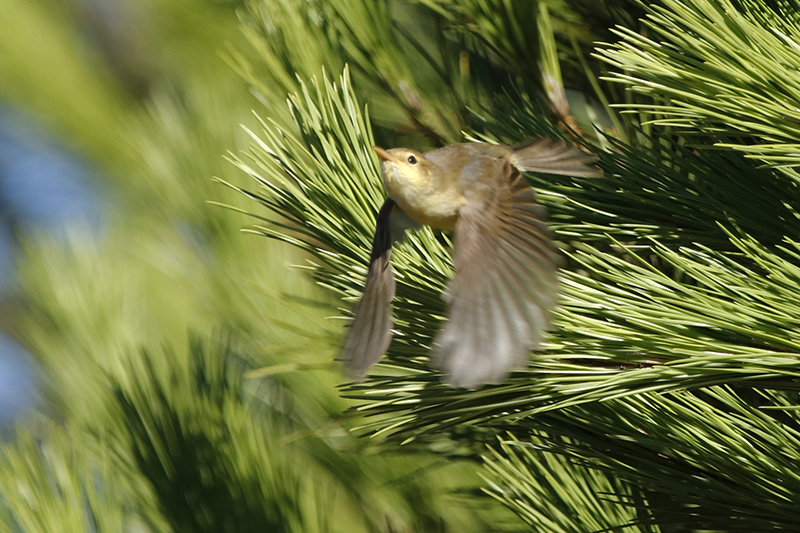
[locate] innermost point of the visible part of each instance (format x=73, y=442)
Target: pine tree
x=190, y=369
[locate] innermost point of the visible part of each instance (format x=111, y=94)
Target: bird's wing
x=371, y=330
x=554, y=157
x=504, y=285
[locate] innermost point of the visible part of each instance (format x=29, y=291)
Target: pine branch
x=553, y=491
x=723, y=69
x=720, y=459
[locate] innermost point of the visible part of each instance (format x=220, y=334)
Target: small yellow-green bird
x=505, y=283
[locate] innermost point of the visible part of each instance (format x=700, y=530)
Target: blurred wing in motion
x=371, y=330
x=505, y=283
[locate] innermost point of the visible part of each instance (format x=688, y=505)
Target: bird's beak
x=384, y=155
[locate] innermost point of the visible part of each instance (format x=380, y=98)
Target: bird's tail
x=554, y=157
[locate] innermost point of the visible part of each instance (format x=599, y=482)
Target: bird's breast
x=424, y=203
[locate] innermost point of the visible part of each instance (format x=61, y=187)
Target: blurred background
x=78, y=83
x=44, y=189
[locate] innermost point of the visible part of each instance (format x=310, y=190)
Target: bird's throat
x=433, y=208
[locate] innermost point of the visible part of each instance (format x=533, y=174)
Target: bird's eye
x=412, y=160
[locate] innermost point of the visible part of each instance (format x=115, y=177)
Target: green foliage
x=716, y=456
x=220, y=460
x=48, y=483
x=548, y=490
x=727, y=69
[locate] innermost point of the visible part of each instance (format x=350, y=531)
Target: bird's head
x=404, y=167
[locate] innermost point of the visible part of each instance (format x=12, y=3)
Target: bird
x=504, y=286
